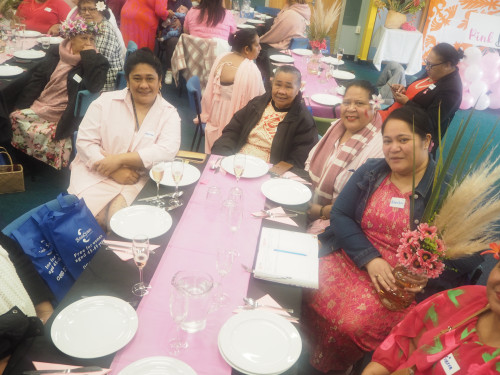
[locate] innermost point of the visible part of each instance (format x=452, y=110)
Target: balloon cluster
x=480, y=79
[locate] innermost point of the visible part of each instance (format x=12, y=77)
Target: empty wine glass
x=140, y=249
x=157, y=172
x=178, y=312
x=223, y=264
x=177, y=167
x=239, y=162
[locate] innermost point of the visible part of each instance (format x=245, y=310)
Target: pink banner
x=193, y=246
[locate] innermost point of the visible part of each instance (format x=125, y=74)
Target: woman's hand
x=400, y=98
x=54, y=29
x=381, y=274
x=397, y=88
x=44, y=310
x=125, y=176
x=108, y=165
x=314, y=211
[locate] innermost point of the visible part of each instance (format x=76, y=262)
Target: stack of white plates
x=259, y=343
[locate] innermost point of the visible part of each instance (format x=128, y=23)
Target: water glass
x=178, y=311
x=45, y=40
x=213, y=201
x=140, y=249
x=232, y=214
x=236, y=194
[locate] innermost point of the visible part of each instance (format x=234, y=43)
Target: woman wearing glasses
x=439, y=92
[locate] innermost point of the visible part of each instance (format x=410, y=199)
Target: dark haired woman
x=234, y=80
x=44, y=16
x=210, y=20
x=346, y=145
x=109, y=42
x=121, y=135
x=345, y=317
x=439, y=91
x=139, y=21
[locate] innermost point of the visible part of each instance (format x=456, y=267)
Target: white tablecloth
x=402, y=46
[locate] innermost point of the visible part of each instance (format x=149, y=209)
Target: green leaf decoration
x=488, y=357
x=431, y=314
x=453, y=294
x=438, y=346
x=466, y=333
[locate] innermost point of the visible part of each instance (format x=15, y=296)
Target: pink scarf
x=324, y=169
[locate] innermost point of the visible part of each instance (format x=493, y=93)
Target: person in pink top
x=43, y=16
x=210, y=20
x=122, y=134
x=234, y=80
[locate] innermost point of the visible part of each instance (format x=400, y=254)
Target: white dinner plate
x=245, y=26
x=191, y=175
x=94, y=327
x=158, y=366
x=53, y=40
x=263, y=16
x=254, y=167
x=133, y=221
x=326, y=99
x=285, y=191
x=259, y=342
x=282, y=58
x=10, y=71
x=342, y=74
x=255, y=21
x=29, y=54
x=302, y=51
x=331, y=60
x=31, y=34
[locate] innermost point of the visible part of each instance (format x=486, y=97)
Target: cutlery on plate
x=217, y=165
x=269, y=207
x=272, y=215
x=168, y=195
x=173, y=207
x=253, y=304
x=78, y=370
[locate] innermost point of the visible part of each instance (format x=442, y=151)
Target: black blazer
x=92, y=70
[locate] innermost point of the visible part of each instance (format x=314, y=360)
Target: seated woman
x=122, y=134
x=24, y=300
x=439, y=91
x=44, y=127
x=462, y=336
x=108, y=42
x=210, y=20
x=275, y=126
x=346, y=145
x=233, y=81
x=44, y=16
x=345, y=317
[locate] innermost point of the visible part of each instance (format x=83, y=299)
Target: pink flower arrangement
x=408, y=26
x=78, y=26
x=316, y=44
x=422, y=251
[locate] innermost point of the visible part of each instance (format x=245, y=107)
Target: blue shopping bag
x=73, y=231
x=44, y=256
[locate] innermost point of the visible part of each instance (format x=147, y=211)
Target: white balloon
x=483, y=102
x=473, y=73
x=473, y=55
x=478, y=88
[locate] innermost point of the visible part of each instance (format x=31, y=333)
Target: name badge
x=449, y=364
x=398, y=202
x=48, y=9
x=149, y=134
x=432, y=86
x=77, y=78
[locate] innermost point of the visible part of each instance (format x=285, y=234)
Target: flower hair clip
x=377, y=101
x=70, y=28
x=100, y=6
x=495, y=250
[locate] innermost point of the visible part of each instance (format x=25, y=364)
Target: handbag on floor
x=11, y=175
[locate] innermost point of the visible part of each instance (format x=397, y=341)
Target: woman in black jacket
x=275, y=126
x=44, y=120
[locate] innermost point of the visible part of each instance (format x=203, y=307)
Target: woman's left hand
x=54, y=29
x=380, y=272
x=400, y=98
x=107, y=165
x=314, y=211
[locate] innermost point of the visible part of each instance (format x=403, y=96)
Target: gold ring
x=377, y=275
x=421, y=287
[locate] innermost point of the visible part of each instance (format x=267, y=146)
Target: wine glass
x=157, y=172
x=140, y=248
x=223, y=264
x=340, y=54
x=178, y=312
x=232, y=213
x=177, y=168
x=239, y=162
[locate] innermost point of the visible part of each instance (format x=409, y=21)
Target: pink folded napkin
x=293, y=176
x=58, y=366
x=123, y=254
x=270, y=301
x=277, y=210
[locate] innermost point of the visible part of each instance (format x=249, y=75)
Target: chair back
x=83, y=100
x=131, y=47
x=120, y=82
x=194, y=96
x=267, y=10
x=299, y=43
x=322, y=124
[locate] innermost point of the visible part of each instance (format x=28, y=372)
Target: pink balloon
x=491, y=75
x=465, y=85
x=491, y=60
x=473, y=73
x=467, y=101
x=495, y=100
x=483, y=102
x=478, y=88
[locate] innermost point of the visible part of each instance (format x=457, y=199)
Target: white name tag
x=149, y=134
x=432, y=86
x=449, y=364
x=398, y=202
x=77, y=78
x=48, y=9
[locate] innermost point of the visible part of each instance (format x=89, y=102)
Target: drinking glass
x=157, y=172
x=213, y=201
x=178, y=312
x=232, y=214
x=177, y=168
x=20, y=31
x=235, y=194
x=239, y=162
x=45, y=40
x=223, y=264
x=140, y=248
x=340, y=54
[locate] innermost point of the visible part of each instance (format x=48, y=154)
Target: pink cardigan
x=201, y=30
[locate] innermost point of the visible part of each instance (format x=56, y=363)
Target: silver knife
x=168, y=195
x=78, y=370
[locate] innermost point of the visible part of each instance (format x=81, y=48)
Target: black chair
x=194, y=96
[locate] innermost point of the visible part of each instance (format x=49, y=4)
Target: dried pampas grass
x=322, y=22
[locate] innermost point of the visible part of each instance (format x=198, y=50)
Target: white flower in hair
x=377, y=101
x=100, y=6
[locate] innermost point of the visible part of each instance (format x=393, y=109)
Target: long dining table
x=191, y=243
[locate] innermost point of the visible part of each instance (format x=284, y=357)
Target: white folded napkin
x=121, y=253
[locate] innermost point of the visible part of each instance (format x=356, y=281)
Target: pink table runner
x=27, y=44
x=193, y=246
